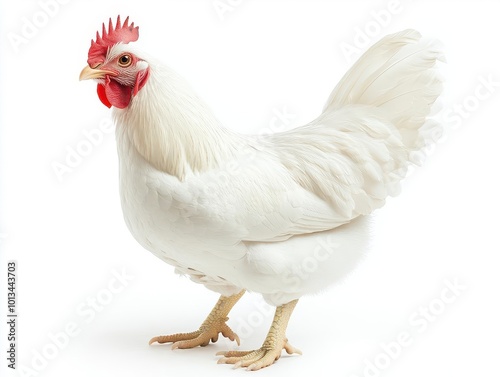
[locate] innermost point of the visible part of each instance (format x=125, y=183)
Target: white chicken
x=237, y=212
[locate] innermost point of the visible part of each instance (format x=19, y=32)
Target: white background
x=68, y=235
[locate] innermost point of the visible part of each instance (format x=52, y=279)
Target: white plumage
x=238, y=212
x=224, y=208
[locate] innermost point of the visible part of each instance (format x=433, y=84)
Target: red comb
x=120, y=33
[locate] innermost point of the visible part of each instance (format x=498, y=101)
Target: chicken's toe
x=257, y=359
x=202, y=337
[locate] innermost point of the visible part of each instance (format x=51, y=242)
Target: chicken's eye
x=124, y=60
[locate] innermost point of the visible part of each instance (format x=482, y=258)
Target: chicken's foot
x=273, y=345
x=209, y=330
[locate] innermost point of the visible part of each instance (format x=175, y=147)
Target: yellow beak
x=94, y=73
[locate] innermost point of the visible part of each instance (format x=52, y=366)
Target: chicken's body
x=230, y=227
x=283, y=215
x=205, y=227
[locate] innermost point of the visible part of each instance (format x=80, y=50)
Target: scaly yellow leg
x=209, y=330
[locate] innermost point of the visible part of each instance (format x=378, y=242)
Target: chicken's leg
x=270, y=351
x=210, y=329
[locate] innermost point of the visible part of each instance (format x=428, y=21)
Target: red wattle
x=117, y=94
x=101, y=92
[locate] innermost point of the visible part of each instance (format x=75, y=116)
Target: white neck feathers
x=173, y=129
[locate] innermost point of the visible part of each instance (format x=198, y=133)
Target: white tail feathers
x=398, y=75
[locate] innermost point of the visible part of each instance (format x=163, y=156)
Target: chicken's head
x=119, y=72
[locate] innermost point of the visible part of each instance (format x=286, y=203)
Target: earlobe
x=140, y=80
